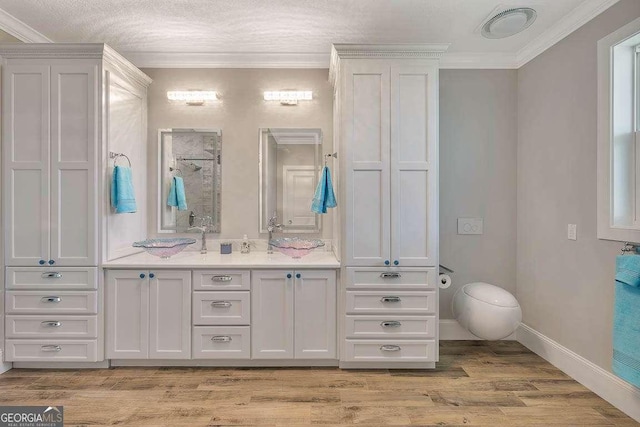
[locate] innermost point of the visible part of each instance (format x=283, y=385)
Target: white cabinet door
x=127, y=314
x=414, y=204
x=366, y=138
x=170, y=315
x=25, y=141
x=315, y=314
x=74, y=141
x=272, y=314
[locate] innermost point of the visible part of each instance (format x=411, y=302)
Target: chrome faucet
x=272, y=225
x=204, y=227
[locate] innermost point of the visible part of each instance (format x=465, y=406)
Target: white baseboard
x=4, y=366
x=450, y=330
x=614, y=390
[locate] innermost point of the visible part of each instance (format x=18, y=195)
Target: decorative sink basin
x=296, y=247
x=164, y=248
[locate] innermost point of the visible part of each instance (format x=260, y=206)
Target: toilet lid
x=490, y=294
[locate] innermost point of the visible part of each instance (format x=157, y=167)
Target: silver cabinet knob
x=221, y=338
x=51, y=299
x=390, y=348
x=51, y=275
x=390, y=299
x=390, y=275
x=390, y=324
x=219, y=304
x=51, y=323
x=224, y=278
x=51, y=348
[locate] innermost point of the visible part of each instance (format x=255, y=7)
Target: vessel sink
x=164, y=248
x=295, y=247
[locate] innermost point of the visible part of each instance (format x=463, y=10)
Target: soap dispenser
x=245, y=248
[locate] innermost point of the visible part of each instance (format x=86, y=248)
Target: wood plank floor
x=476, y=384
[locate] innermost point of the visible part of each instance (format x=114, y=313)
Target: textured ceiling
x=292, y=26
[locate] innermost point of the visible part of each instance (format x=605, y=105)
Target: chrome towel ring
x=116, y=156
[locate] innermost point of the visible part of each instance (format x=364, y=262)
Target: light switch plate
x=572, y=232
x=470, y=226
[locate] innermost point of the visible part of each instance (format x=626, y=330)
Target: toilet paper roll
x=444, y=281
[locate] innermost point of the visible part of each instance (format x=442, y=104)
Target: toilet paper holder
x=446, y=269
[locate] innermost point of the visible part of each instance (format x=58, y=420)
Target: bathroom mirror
x=194, y=156
x=290, y=164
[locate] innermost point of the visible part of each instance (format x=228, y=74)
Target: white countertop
x=256, y=259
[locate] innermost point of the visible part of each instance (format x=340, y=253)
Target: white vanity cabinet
x=50, y=137
x=148, y=314
x=293, y=314
x=55, y=101
x=386, y=111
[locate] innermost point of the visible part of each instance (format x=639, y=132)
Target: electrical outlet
x=470, y=226
x=572, y=232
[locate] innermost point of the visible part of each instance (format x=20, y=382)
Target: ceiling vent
x=508, y=22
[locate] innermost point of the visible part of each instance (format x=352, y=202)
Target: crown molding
x=52, y=50
x=575, y=19
x=97, y=51
x=20, y=30
x=475, y=60
x=227, y=60
x=125, y=67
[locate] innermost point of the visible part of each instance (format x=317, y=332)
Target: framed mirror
x=193, y=156
x=290, y=165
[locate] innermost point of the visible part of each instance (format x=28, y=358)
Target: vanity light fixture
x=288, y=97
x=192, y=97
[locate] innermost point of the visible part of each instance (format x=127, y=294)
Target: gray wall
x=240, y=113
x=478, y=135
x=565, y=287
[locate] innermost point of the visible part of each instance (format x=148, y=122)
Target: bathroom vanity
x=240, y=308
x=77, y=293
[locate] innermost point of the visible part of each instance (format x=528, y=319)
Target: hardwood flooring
x=476, y=383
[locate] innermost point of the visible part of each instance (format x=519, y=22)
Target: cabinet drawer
x=226, y=342
x=363, y=302
x=375, y=278
x=51, y=302
x=390, y=351
x=221, y=308
x=52, y=277
x=221, y=280
x=390, y=326
x=51, y=326
x=50, y=350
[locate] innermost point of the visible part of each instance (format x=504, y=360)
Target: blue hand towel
x=177, y=196
x=123, y=197
x=324, y=197
x=628, y=270
x=626, y=321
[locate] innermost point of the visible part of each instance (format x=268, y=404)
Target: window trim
x=606, y=228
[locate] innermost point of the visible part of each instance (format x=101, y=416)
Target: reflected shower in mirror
x=189, y=180
x=290, y=163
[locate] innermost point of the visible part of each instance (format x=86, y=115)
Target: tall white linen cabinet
x=64, y=108
x=386, y=136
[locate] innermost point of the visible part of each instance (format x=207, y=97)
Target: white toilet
x=487, y=311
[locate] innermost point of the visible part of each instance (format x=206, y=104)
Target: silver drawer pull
x=51, y=323
x=390, y=275
x=221, y=304
x=51, y=299
x=221, y=278
x=390, y=299
x=51, y=348
x=223, y=338
x=391, y=324
x=390, y=348
x=52, y=275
